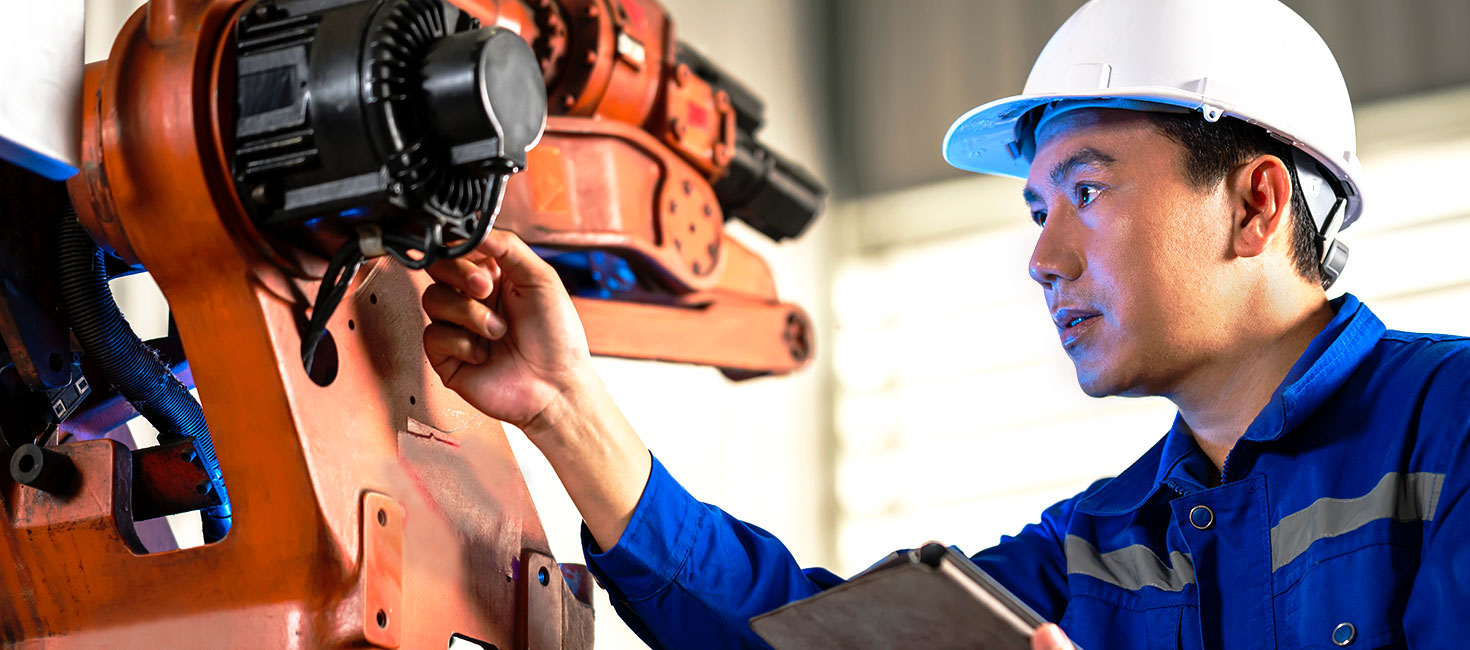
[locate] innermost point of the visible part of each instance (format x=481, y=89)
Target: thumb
x=1050, y=637
x=518, y=263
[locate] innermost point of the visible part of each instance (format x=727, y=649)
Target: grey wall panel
x=903, y=69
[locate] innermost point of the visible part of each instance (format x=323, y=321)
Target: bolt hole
x=54, y=361
x=673, y=206
x=373, y=298
x=202, y=487
x=382, y=517
x=542, y=577
x=324, y=360
x=412, y=400
x=26, y=464
x=691, y=228
x=351, y=324
x=382, y=619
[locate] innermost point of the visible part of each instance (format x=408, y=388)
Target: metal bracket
x=382, y=569
x=539, y=595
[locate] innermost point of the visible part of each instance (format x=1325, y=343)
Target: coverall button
x=1201, y=517
x=1344, y=633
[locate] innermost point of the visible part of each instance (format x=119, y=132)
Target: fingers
x=516, y=260
x=447, y=343
x=468, y=276
x=443, y=304
x=1050, y=637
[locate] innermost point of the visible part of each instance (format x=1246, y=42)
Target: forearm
x=598, y=456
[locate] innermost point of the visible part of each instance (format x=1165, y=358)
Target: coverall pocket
x=1354, y=599
x=1099, y=624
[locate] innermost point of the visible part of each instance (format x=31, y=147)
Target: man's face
x=1131, y=255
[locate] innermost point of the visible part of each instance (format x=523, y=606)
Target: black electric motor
x=395, y=122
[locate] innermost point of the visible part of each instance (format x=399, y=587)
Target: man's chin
x=1096, y=381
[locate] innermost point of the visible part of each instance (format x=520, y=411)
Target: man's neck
x=1222, y=400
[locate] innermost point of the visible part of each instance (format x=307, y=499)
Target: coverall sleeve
x=1442, y=585
x=687, y=575
x=1032, y=564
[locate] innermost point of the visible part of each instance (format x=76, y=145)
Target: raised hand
x=504, y=334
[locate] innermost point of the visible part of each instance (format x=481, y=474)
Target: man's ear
x=1261, y=191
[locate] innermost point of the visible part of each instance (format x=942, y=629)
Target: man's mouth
x=1072, y=324
x=1078, y=320
x=1066, y=319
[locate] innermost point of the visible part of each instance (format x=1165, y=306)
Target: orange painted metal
x=298, y=457
x=593, y=185
x=698, y=121
x=458, y=547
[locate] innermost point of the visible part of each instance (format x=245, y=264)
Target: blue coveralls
x=1341, y=519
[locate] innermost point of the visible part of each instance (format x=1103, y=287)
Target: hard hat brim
x=986, y=140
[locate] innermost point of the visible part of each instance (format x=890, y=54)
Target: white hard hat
x=1256, y=60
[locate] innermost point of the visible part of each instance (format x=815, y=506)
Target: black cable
x=340, y=271
x=488, y=212
x=399, y=247
x=345, y=262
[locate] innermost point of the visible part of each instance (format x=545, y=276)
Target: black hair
x=1212, y=149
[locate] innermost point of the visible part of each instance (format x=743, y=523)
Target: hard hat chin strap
x=1326, y=203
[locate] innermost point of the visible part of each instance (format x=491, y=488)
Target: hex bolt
x=43, y=469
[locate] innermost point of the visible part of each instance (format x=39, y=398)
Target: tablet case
x=932, y=598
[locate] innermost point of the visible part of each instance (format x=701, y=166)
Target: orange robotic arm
x=234, y=149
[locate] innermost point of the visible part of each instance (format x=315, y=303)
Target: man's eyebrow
x=1030, y=195
x=1079, y=158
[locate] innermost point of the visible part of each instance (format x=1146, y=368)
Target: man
x=1189, y=165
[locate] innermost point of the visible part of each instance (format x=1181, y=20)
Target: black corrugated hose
x=144, y=380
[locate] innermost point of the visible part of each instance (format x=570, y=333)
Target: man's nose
x=1056, y=256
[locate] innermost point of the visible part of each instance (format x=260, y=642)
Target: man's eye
x=1086, y=194
x=1039, y=216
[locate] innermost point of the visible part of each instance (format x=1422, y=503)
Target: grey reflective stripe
x=1404, y=497
x=1132, y=568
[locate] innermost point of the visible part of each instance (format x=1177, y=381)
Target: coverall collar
x=1175, y=461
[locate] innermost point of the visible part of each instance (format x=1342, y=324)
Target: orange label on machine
x=548, y=179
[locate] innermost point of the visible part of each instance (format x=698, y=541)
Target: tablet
x=932, y=597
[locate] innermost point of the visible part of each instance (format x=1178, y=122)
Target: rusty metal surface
x=167, y=481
